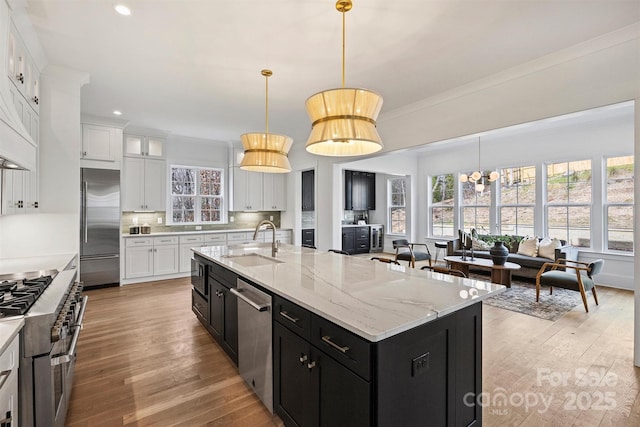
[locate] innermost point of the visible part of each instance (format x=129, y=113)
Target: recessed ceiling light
x=117, y=112
x=122, y=9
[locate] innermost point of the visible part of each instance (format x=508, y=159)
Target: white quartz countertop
x=186, y=233
x=8, y=331
x=35, y=264
x=369, y=298
x=358, y=225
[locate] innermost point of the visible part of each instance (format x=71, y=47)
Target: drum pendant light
x=264, y=151
x=343, y=120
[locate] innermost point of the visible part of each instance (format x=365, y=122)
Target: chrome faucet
x=274, y=243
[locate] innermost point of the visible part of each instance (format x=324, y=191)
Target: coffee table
x=500, y=274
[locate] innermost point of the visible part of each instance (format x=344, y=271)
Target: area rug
x=521, y=298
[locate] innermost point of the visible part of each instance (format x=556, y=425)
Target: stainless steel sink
x=252, y=260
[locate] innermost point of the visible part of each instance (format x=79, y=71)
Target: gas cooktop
x=18, y=292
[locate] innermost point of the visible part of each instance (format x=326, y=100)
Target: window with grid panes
x=517, y=200
x=569, y=189
x=619, y=204
x=196, y=195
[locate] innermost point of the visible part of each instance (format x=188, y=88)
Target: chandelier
x=264, y=151
x=478, y=177
x=343, y=121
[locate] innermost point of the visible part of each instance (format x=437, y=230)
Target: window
x=569, y=191
x=517, y=200
x=397, y=205
x=196, y=195
x=476, y=207
x=619, y=204
x=442, y=205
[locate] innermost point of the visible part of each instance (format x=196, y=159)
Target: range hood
x=17, y=148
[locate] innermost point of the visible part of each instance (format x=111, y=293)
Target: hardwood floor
x=144, y=359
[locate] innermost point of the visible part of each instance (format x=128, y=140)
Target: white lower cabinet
x=151, y=256
x=186, y=243
x=156, y=256
x=9, y=361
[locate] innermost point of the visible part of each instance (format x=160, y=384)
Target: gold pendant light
x=343, y=121
x=266, y=152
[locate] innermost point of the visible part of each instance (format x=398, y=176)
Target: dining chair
x=338, y=251
x=405, y=252
x=385, y=260
x=444, y=270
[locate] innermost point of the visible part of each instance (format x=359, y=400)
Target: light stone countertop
x=36, y=263
x=369, y=298
x=8, y=331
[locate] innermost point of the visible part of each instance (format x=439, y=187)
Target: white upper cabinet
x=100, y=142
x=143, y=146
x=22, y=71
x=144, y=184
x=247, y=190
x=275, y=191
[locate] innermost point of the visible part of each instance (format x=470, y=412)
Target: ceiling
x=192, y=67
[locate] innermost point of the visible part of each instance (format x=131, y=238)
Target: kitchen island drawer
x=345, y=347
x=226, y=277
x=200, y=306
x=292, y=316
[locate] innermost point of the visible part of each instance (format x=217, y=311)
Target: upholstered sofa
x=530, y=265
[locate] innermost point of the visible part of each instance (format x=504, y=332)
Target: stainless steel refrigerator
x=100, y=227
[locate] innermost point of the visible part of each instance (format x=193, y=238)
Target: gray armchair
x=405, y=252
x=575, y=276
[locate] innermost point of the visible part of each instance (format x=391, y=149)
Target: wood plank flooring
x=144, y=359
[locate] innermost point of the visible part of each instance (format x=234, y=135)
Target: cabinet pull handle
x=286, y=316
x=311, y=365
x=327, y=339
x=303, y=358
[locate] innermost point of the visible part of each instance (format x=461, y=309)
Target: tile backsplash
x=308, y=219
x=240, y=220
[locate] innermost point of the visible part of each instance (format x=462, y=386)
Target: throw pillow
x=547, y=247
x=479, y=245
x=528, y=246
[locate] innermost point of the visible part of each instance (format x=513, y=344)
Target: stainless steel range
x=53, y=308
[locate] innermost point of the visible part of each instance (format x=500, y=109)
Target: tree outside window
x=517, y=200
x=569, y=189
x=619, y=203
x=196, y=195
x=442, y=205
x=397, y=205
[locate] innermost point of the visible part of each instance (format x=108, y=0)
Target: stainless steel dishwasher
x=255, y=341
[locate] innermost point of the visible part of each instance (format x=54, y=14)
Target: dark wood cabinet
x=348, y=239
x=312, y=389
x=308, y=190
x=356, y=240
x=309, y=237
x=325, y=375
x=359, y=190
x=223, y=310
x=337, y=378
